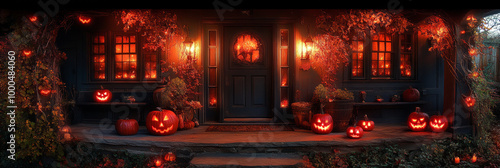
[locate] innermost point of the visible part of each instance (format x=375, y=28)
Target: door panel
x=248, y=74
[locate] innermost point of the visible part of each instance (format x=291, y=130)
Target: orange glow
x=84, y=19
x=473, y=159
x=247, y=48
x=474, y=74
x=284, y=81
x=469, y=101
x=457, y=160
x=213, y=101
x=462, y=32
x=45, y=92
x=472, y=52
x=33, y=18
x=284, y=103
x=102, y=76
x=158, y=162
x=27, y=52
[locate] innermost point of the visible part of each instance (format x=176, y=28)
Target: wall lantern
x=188, y=48
x=307, y=50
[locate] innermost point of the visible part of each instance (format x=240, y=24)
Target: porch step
x=204, y=160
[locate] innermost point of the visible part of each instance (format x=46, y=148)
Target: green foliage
x=175, y=94
x=321, y=94
x=339, y=94
x=440, y=153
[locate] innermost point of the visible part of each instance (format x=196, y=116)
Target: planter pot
x=341, y=112
x=302, y=114
x=157, y=98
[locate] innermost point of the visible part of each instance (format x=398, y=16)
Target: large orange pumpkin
x=162, y=122
x=411, y=95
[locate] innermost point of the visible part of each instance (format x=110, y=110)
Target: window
x=99, y=57
x=383, y=56
x=125, y=62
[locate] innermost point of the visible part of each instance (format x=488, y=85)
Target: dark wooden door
x=247, y=71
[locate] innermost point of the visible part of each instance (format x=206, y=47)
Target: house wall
x=429, y=80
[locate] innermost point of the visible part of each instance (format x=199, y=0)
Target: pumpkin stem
x=102, y=87
x=366, y=117
x=159, y=108
x=322, y=106
x=417, y=109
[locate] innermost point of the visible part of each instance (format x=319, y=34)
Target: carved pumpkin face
x=366, y=124
x=45, y=92
x=162, y=122
x=322, y=123
x=102, y=95
x=354, y=132
x=438, y=123
x=170, y=157
x=417, y=121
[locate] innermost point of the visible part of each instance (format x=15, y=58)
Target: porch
x=201, y=148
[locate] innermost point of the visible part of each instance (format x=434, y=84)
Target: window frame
x=395, y=61
x=110, y=59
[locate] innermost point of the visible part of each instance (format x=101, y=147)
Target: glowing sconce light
x=307, y=49
x=84, y=19
x=213, y=101
x=188, y=48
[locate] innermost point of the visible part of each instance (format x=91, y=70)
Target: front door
x=247, y=71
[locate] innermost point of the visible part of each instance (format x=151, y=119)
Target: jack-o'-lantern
x=127, y=126
x=162, y=122
x=468, y=102
x=417, y=121
x=102, y=95
x=438, y=123
x=354, y=132
x=322, y=123
x=366, y=124
x=45, y=92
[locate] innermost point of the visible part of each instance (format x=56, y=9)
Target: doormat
x=248, y=128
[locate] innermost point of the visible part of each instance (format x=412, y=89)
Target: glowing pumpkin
x=354, y=132
x=438, y=123
x=162, y=122
x=322, y=123
x=170, y=157
x=45, y=92
x=417, y=121
x=102, y=95
x=127, y=126
x=366, y=124
x=468, y=102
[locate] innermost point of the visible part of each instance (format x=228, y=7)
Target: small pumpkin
x=162, y=122
x=170, y=157
x=411, y=95
x=366, y=124
x=188, y=124
x=438, y=123
x=354, y=132
x=102, y=95
x=127, y=126
x=417, y=121
x=322, y=124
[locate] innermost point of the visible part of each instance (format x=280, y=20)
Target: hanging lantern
x=308, y=45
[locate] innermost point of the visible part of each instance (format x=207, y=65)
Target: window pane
x=132, y=48
x=118, y=48
x=98, y=59
x=381, y=55
x=118, y=39
x=126, y=60
x=357, y=58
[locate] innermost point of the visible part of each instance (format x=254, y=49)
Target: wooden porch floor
x=196, y=140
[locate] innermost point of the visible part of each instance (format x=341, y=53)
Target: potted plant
x=339, y=103
x=177, y=100
x=301, y=112
x=340, y=106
